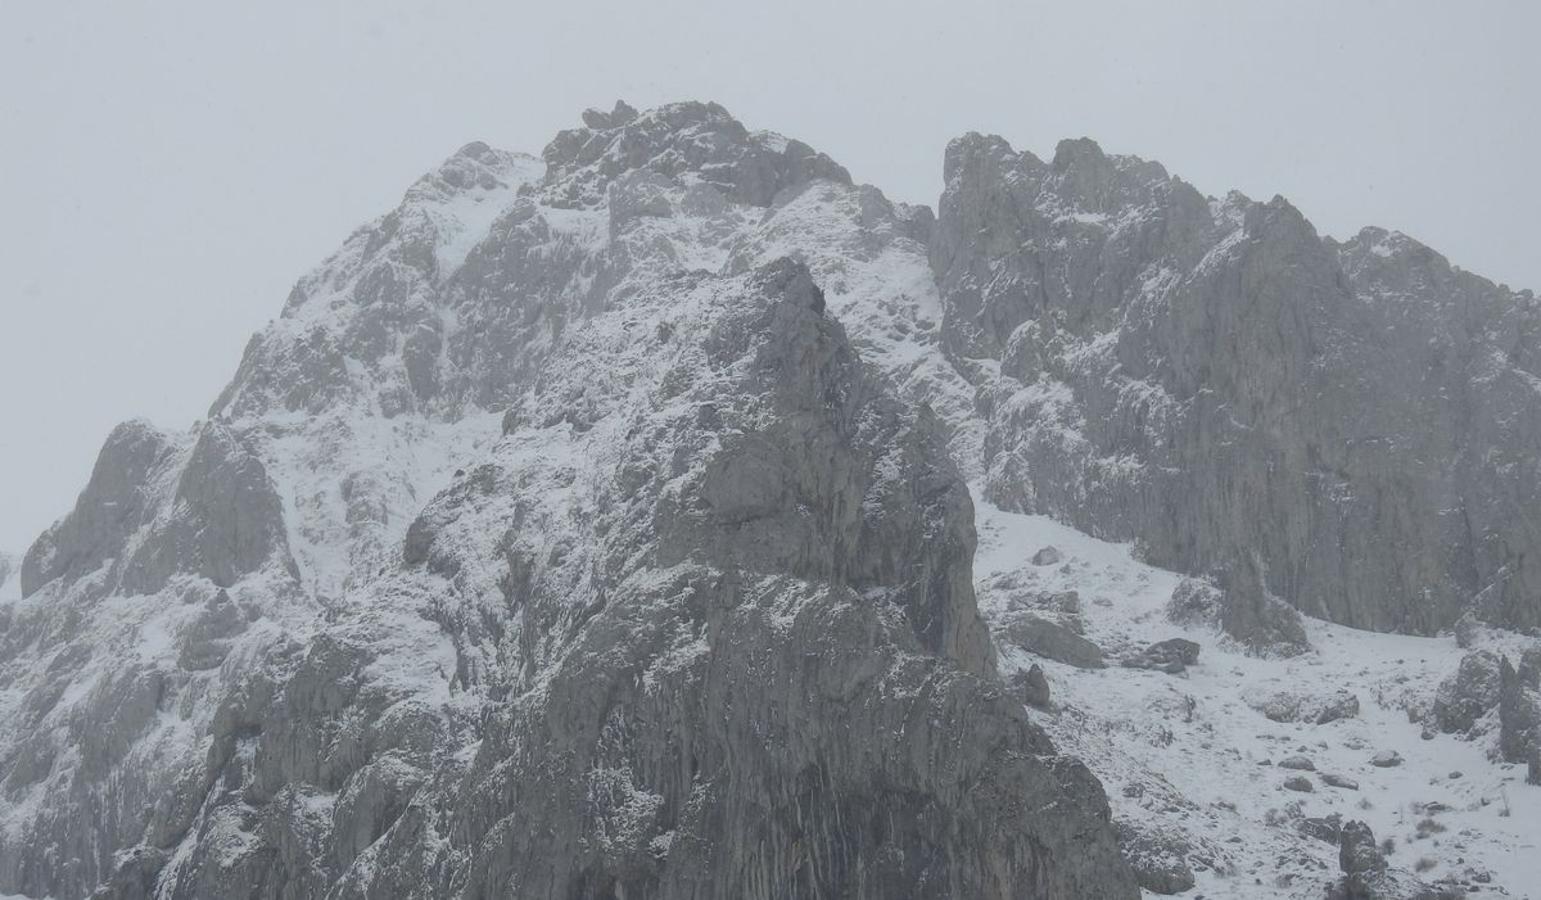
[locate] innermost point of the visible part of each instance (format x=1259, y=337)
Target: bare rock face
x=1469, y=693
x=698, y=139
x=156, y=508
x=787, y=740
x=1159, y=859
x=1519, y=716
x=1047, y=639
x=718, y=649
x=1214, y=380
x=561, y=538
x=1245, y=612
x=111, y=508
x=596, y=526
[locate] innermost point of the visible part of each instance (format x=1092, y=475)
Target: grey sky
x=168, y=169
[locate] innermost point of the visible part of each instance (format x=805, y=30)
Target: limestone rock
x=1047, y=556
x=1244, y=611
x=1298, y=706
x=110, y=509
x=1159, y=859
x=1367, y=875
x=1033, y=686
x=1043, y=638
x=597, y=524
x=1242, y=396
x=1519, y=716
x=1172, y=656
x=1469, y=693
x=1323, y=828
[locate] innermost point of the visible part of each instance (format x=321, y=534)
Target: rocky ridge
x=628, y=490
x=718, y=583
x=1347, y=426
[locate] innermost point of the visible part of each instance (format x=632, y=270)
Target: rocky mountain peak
x=656, y=518
x=691, y=141
x=622, y=114
x=1081, y=151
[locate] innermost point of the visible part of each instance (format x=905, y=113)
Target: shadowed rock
x=1044, y=638
x=1469, y=693
x=1240, y=395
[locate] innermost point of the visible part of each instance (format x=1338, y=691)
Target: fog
x=168, y=169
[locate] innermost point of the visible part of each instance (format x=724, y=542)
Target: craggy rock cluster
x=597, y=526
x=544, y=523
x=1367, y=875
x=1351, y=426
x=1519, y=714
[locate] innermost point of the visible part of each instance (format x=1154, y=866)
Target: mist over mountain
x=669, y=516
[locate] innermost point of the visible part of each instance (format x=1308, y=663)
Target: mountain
x=668, y=516
x=1349, y=426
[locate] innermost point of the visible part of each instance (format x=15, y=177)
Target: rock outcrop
x=1050, y=640
x=429, y=574
x=1350, y=426
x=1304, y=706
x=1368, y=876
x=598, y=525
x=1469, y=694
x=1519, y=716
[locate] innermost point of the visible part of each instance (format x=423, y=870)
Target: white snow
x=1178, y=753
x=1185, y=752
x=463, y=221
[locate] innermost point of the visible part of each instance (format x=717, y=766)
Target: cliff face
x=606, y=492
x=601, y=525
x=1352, y=426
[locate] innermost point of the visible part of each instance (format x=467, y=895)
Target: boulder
x=1358, y=854
x=1172, y=656
x=1033, y=686
x=1043, y=638
x=1243, y=610
x=1469, y=693
x=1367, y=875
x=1323, y=828
x=1158, y=856
x=1298, y=706
x=1047, y=556
x=1299, y=783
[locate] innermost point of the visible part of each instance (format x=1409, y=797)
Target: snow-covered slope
x=596, y=526
x=466, y=486
x=1350, y=427
x=1192, y=763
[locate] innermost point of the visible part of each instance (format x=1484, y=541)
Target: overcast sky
x=169, y=169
